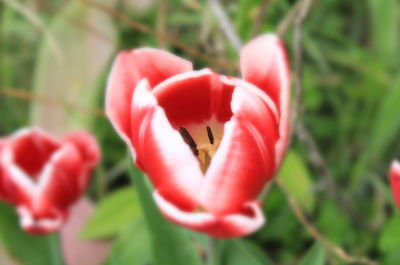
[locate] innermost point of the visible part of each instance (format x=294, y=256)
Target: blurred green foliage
x=351, y=107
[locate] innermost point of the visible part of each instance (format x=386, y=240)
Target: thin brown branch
x=316, y=234
x=298, y=15
x=225, y=24
x=301, y=6
x=317, y=160
x=298, y=59
x=25, y=95
x=167, y=37
x=261, y=16
x=161, y=22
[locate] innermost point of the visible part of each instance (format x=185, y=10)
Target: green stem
x=213, y=251
x=171, y=245
x=54, y=245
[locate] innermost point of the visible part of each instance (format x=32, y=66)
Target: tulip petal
x=263, y=63
x=62, y=181
x=41, y=225
x=243, y=162
x=162, y=152
x=22, y=159
x=129, y=68
x=17, y=187
x=395, y=181
x=233, y=225
x=87, y=145
x=31, y=148
x=195, y=97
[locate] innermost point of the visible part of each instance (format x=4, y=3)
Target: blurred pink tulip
x=43, y=176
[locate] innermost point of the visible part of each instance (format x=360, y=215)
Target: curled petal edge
x=129, y=68
x=228, y=226
x=263, y=62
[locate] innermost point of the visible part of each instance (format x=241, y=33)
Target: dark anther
x=210, y=135
x=189, y=140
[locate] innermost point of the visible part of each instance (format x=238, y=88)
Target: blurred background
x=54, y=59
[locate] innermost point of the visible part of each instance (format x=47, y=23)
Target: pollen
x=204, y=151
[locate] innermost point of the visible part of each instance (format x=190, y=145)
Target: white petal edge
x=27, y=221
x=205, y=221
x=395, y=168
x=284, y=126
x=179, y=77
x=184, y=218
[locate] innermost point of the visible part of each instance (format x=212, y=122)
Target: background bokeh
x=54, y=59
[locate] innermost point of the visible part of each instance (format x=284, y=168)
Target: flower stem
x=213, y=251
x=54, y=246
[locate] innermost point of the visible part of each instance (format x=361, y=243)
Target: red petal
x=395, y=181
x=2, y=143
x=23, y=156
x=161, y=151
x=194, y=97
x=87, y=145
x=31, y=149
x=263, y=63
x=62, y=181
x=245, y=159
x=233, y=225
x=129, y=68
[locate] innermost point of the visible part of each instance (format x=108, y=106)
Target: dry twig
x=262, y=14
x=315, y=233
x=177, y=43
x=225, y=24
x=29, y=96
x=303, y=10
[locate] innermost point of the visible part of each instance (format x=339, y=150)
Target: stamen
x=189, y=140
x=210, y=135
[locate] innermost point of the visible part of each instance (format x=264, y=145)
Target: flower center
x=204, y=151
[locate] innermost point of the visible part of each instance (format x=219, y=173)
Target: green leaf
x=87, y=40
x=170, y=243
x=389, y=238
x=297, y=180
x=340, y=231
x=132, y=246
x=113, y=213
x=240, y=251
x=391, y=258
x=315, y=256
x=385, y=17
x=27, y=249
x=385, y=129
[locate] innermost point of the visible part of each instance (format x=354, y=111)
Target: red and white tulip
x=208, y=142
x=42, y=175
x=394, y=174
